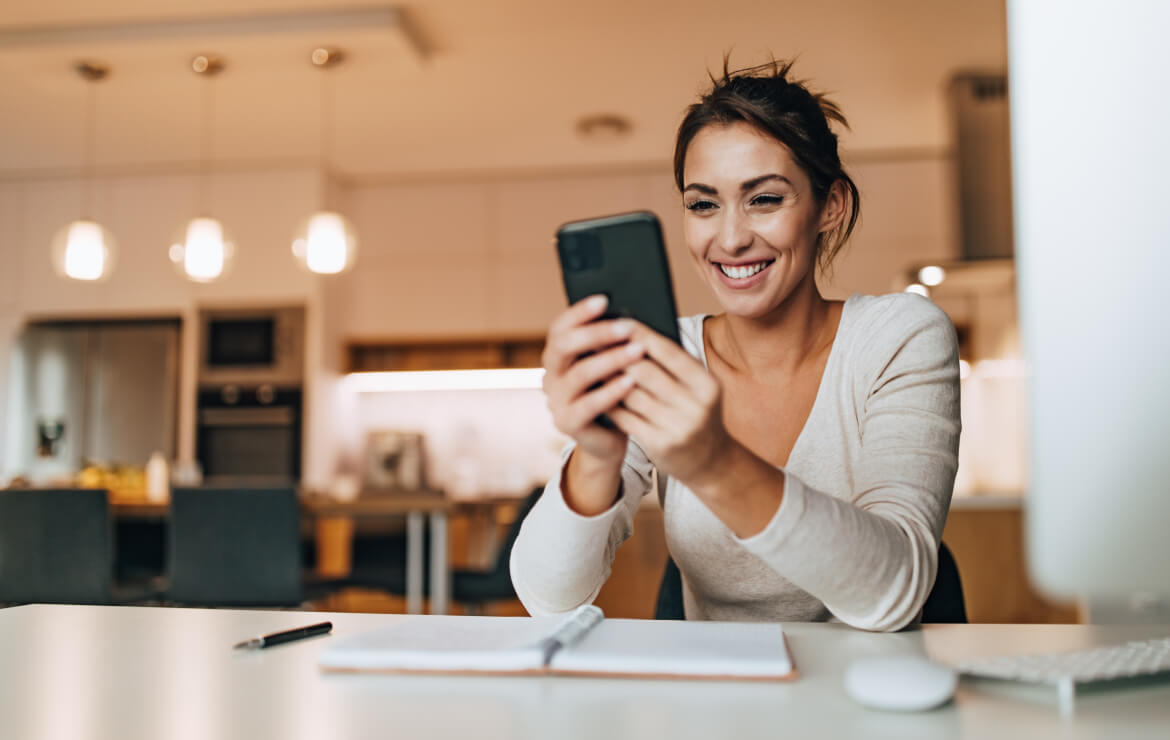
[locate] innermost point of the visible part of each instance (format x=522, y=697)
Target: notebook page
x=445, y=643
x=679, y=648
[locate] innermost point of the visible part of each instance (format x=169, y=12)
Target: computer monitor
x=1090, y=106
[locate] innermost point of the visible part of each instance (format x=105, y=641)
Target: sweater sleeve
x=561, y=559
x=885, y=539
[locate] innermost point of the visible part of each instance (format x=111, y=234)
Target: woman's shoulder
x=891, y=315
x=881, y=326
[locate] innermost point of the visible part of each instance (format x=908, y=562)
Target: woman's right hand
x=579, y=353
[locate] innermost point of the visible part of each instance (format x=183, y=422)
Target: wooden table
x=334, y=524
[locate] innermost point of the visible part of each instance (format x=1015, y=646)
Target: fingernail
x=634, y=349
x=623, y=329
x=597, y=302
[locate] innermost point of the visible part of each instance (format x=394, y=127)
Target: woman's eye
x=700, y=205
x=767, y=200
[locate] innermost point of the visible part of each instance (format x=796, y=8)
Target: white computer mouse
x=903, y=683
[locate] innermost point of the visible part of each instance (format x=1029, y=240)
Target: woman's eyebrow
x=756, y=181
x=747, y=185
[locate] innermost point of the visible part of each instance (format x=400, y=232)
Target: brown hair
x=785, y=109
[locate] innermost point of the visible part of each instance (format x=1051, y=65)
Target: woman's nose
x=734, y=235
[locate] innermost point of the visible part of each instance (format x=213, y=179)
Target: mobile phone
x=624, y=258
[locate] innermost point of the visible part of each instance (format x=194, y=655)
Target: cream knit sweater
x=866, y=494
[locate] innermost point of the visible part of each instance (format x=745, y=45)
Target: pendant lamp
x=202, y=251
x=325, y=243
x=84, y=250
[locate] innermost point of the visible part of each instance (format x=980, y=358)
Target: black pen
x=277, y=638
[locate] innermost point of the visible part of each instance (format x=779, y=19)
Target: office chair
x=235, y=547
x=56, y=546
x=944, y=604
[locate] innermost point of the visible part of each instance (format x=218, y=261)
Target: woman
x=808, y=447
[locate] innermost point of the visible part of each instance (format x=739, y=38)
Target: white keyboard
x=1133, y=659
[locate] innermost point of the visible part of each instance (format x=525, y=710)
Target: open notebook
x=581, y=643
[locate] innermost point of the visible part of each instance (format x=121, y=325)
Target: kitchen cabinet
x=445, y=354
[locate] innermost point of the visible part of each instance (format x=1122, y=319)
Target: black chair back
x=235, y=547
x=478, y=587
x=56, y=546
x=944, y=604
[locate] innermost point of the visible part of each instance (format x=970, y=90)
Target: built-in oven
x=249, y=433
x=252, y=347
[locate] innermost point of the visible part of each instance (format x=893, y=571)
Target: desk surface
x=139, y=672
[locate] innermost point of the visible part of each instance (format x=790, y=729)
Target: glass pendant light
x=202, y=252
x=84, y=250
x=325, y=243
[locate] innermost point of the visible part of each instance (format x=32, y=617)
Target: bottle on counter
x=158, y=479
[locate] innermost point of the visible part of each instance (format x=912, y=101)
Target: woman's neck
x=796, y=332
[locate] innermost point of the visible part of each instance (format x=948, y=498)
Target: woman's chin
x=745, y=307
x=752, y=304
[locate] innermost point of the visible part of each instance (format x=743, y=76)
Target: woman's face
x=751, y=220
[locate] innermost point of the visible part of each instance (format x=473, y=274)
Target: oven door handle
x=268, y=416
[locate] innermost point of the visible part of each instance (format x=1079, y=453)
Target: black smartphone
x=623, y=257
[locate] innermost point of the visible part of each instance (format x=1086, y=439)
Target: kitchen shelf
x=444, y=353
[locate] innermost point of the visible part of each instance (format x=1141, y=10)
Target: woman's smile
x=743, y=275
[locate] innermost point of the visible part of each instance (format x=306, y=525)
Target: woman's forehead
x=734, y=152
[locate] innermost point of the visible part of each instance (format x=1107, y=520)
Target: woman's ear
x=833, y=210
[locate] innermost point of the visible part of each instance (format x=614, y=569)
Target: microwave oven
x=252, y=347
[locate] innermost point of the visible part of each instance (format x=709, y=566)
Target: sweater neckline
x=817, y=403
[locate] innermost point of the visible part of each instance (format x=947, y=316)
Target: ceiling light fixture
x=604, y=127
x=84, y=250
x=203, y=253
x=325, y=243
x=932, y=275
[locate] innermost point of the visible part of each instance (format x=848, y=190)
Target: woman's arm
x=561, y=557
x=566, y=543
x=884, y=543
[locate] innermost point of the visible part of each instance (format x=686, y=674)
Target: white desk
x=134, y=672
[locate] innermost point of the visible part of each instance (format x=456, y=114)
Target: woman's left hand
x=674, y=411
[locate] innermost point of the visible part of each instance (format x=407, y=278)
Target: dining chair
x=56, y=546
x=234, y=546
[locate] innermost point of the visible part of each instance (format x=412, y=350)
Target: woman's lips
x=753, y=277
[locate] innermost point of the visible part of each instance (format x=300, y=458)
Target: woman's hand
x=674, y=410
x=581, y=353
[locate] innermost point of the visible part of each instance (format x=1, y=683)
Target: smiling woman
x=804, y=449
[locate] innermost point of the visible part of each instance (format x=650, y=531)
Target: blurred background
x=206, y=325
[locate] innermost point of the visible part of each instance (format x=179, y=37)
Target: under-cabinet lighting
x=446, y=380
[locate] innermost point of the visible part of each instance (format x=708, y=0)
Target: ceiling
x=501, y=89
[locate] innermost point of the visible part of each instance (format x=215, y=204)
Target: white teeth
x=743, y=271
